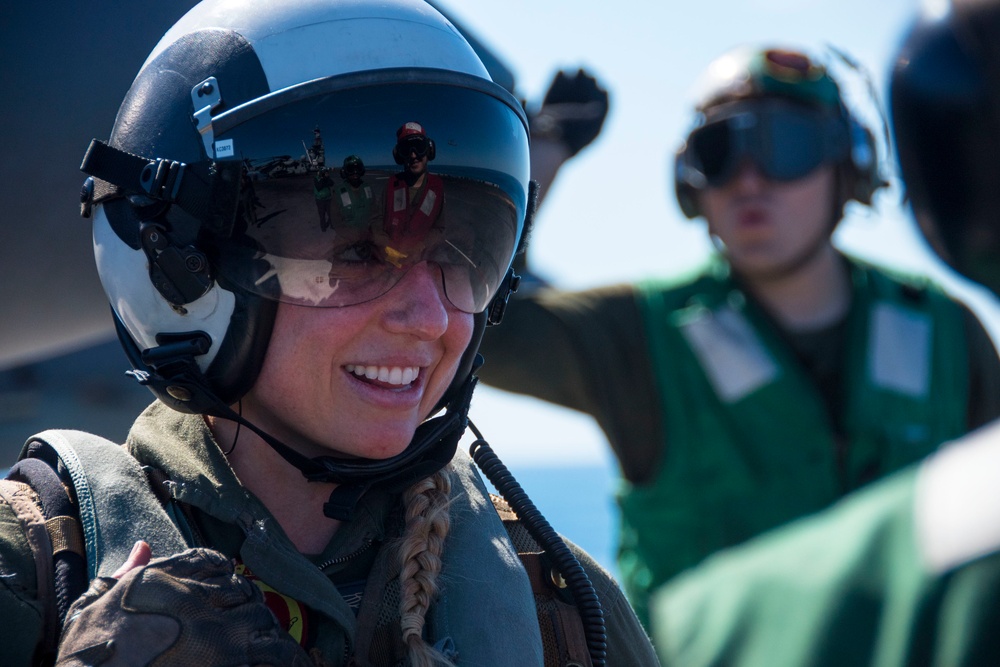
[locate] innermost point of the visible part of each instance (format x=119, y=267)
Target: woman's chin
x=377, y=451
x=386, y=450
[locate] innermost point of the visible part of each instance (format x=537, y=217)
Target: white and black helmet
x=203, y=203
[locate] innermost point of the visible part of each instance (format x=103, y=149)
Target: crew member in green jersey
x=782, y=375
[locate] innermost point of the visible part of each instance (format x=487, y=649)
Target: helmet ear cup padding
x=241, y=355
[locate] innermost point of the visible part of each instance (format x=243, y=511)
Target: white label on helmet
x=224, y=148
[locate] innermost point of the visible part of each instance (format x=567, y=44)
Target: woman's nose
x=417, y=303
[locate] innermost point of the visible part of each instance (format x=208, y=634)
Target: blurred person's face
x=414, y=152
x=766, y=225
x=416, y=165
x=354, y=177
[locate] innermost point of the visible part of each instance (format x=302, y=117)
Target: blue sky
x=611, y=215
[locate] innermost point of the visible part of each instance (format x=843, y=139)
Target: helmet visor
x=786, y=141
x=306, y=235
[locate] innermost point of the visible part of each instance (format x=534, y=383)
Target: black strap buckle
x=509, y=285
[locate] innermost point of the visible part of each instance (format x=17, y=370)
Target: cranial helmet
x=202, y=200
x=783, y=108
x=945, y=107
x=352, y=165
x=412, y=134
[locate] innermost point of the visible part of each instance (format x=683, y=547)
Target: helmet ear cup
x=863, y=161
x=687, y=196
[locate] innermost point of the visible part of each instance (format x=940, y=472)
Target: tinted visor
x=784, y=140
x=307, y=236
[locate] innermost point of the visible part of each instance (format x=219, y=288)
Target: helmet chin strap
x=433, y=446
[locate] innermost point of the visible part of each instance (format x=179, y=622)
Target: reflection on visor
x=785, y=141
x=339, y=218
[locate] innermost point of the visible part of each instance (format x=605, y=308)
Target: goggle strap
x=119, y=173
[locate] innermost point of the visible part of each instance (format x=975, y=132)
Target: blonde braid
x=427, y=524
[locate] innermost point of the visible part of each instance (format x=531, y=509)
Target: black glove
x=187, y=609
x=573, y=111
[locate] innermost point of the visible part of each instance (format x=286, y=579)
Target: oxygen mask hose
x=579, y=584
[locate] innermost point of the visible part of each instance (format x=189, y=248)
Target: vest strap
x=117, y=506
x=24, y=502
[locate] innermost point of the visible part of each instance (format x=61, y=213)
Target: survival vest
x=748, y=441
x=410, y=214
x=83, y=501
x=355, y=205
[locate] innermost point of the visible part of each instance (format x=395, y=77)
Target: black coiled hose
x=580, y=587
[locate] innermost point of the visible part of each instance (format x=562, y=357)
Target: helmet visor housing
x=306, y=239
x=783, y=139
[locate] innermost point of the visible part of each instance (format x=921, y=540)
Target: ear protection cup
x=687, y=196
x=863, y=164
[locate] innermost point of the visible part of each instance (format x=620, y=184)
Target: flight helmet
x=202, y=202
x=783, y=109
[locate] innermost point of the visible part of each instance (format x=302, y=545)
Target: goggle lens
x=415, y=145
x=783, y=141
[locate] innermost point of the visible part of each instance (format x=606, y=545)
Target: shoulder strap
x=26, y=507
x=65, y=554
x=559, y=620
x=67, y=491
x=116, y=504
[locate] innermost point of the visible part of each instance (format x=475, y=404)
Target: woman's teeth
x=395, y=375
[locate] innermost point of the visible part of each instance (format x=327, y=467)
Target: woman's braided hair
x=427, y=522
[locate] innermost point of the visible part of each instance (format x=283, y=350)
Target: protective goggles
x=784, y=140
x=416, y=145
x=314, y=240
